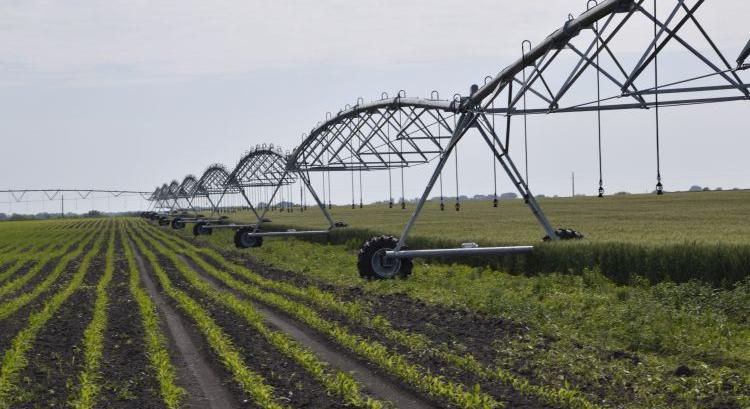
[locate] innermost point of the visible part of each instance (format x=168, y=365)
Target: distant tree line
x=46, y=215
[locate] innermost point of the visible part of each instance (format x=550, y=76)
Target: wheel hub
x=247, y=239
x=385, y=267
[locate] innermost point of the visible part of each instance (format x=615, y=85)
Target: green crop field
x=704, y=217
x=125, y=313
x=640, y=344
x=677, y=237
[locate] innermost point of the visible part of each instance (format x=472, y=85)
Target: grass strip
x=337, y=383
x=373, y=351
x=354, y=311
x=8, y=307
x=156, y=342
x=93, y=336
x=14, y=358
x=250, y=382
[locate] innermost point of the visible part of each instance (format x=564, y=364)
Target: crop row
x=93, y=336
x=156, y=342
x=388, y=360
x=14, y=360
x=337, y=383
x=26, y=244
x=252, y=383
x=42, y=260
x=357, y=313
x=12, y=305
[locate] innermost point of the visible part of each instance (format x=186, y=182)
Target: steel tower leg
x=467, y=121
x=511, y=170
x=247, y=200
x=458, y=133
x=320, y=204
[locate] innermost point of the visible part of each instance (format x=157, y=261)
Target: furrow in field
x=58, y=353
x=249, y=381
x=37, y=263
x=415, y=344
x=387, y=359
x=412, y=342
x=93, y=336
x=15, y=359
x=156, y=343
x=10, y=306
x=342, y=380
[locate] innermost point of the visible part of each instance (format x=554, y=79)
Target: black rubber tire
x=200, y=229
x=369, y=250
x=566, y=234
x=177, y=223
x=242, y=242
x=163, y=221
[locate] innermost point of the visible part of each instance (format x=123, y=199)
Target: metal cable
x=659, y=186
x=525, y=131
x=401, y=148
x=599, y=113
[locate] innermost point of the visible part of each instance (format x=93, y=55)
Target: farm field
x=703, y=217
x=122, y=313
x=676, y=237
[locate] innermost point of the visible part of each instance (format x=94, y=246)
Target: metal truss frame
x=264, y=167
x=402, y=132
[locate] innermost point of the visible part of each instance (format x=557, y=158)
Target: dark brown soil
x=128, y=381
x=207, y=383
x=461, y=329
x=40, y=275
x=453, y=326
x=422, y=318
x=290, y=381
x=25, y=267
x=443, y=325
x=9, y=327
x=56, y=357
x=34, y=281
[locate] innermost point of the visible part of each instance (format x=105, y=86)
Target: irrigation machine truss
x=548, y=78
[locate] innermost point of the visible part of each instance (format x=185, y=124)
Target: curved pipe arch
x=389, y=133
x=214, y=180
x=261, y=167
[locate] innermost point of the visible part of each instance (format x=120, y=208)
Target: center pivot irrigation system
x=606, y=59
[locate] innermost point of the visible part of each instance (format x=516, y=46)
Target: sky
x=129, y=94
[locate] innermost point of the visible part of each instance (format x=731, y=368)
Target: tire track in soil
x=443, y=325
x=204, y=386
x=380, y=387
x=57, y=354
x=128, y=382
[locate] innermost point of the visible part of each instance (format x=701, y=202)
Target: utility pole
x=62, y=206
x=573, y=183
